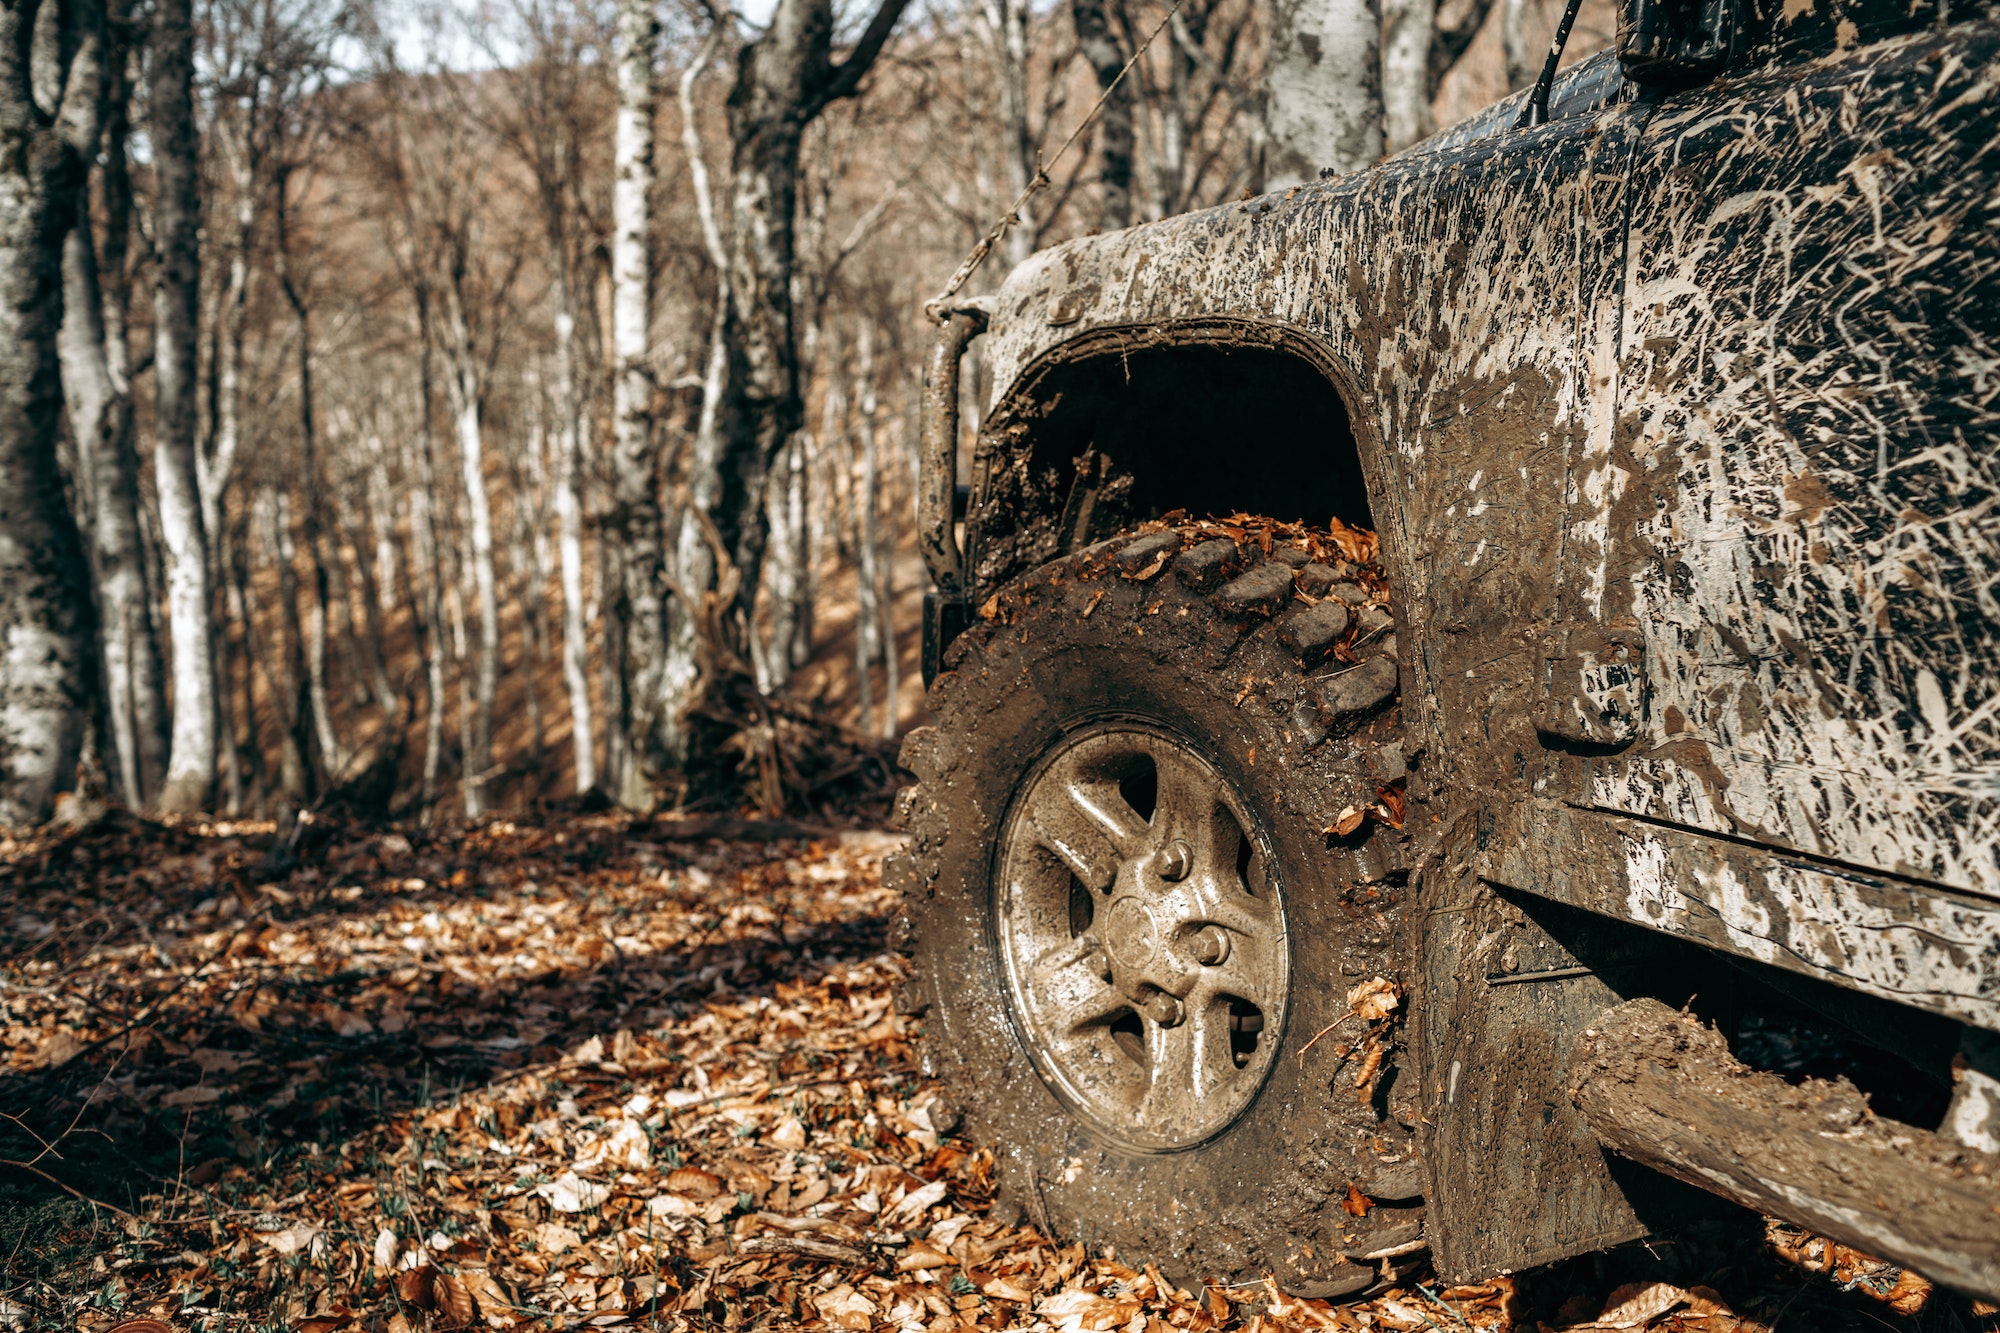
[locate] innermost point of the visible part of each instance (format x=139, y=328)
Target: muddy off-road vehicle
x=1468, y=693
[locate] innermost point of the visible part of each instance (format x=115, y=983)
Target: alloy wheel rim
x=1143, y=933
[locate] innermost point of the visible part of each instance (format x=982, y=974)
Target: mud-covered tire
x=1166, y=632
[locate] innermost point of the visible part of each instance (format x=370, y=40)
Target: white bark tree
x=177, y=220
x=1421, y=41
x=1097, y=40
x=1322, y=89
x=96, y=359
x=1408, y=27
x=465, y=389
x=1519, y=54
x=650, y=741
x=545, y=127
x=50, y=105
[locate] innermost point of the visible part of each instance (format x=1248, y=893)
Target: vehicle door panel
x=1803, y=511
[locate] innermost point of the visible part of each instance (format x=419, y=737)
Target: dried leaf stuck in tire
x=1347, y=821
x=1373, y=1000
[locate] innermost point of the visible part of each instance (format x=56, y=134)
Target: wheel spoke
x=1087, y=823
x=1079, y=1006
x=1186, y=1064
x=1202, y=901
x=1251, y=972
x=1191, y=809
x=1068, y=995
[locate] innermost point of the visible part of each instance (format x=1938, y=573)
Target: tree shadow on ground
x=193, y=1088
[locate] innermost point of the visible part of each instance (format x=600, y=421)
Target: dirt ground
x=585, y=1071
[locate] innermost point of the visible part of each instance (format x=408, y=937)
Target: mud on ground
x=590, y=1072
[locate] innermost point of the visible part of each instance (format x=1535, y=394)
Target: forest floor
x=589, y=1071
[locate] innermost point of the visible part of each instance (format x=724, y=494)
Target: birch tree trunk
x=50, y=102
x=528, y=557
x=1006, y=24
x=650, y=743
x=1409, y=28
x=426, y=562
x=694, y=561
x=463, y=389
x=1519, y=55
x=874, y=616
x=1322, y=89
x=568, y=503
x=788, y=571
x=1099, y=44
x=95, y=360
x=240, y=759
x=569, y=548
x=176, y=293
x=225, y=409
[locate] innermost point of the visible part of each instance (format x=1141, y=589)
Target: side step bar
x=1658, y=1087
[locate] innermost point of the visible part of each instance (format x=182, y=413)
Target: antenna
x=1536, y=112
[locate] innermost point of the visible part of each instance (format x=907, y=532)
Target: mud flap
x=1511, y=982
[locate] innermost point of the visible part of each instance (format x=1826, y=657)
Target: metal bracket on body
x=1595, y=687
x=937, y=480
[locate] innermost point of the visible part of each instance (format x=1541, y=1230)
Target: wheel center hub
x=1131, y=936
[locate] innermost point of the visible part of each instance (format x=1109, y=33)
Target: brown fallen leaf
x=1001, y=1288
x=920, y=1257
x=413, y=1286
x=494, y=1307
x=846, y=1308
x=1374, y=999
x=694, y=1182
x=1371, y=1061
x=1636, y=1304
x=454, y=1299
x=1356, y=544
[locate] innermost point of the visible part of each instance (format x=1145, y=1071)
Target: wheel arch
x=1165, y=407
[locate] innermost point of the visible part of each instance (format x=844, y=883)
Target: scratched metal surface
x=1755, y=438
x=1800, y=497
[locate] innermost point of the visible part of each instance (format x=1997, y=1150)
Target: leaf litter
x=578, y=1072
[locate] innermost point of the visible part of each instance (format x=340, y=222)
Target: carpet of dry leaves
x=589, y=1071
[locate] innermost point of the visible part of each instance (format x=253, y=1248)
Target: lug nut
x=1209, y=946
x=1176, y=860
x=1163, y=1009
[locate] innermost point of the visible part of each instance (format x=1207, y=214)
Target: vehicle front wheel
x=1154, y=855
